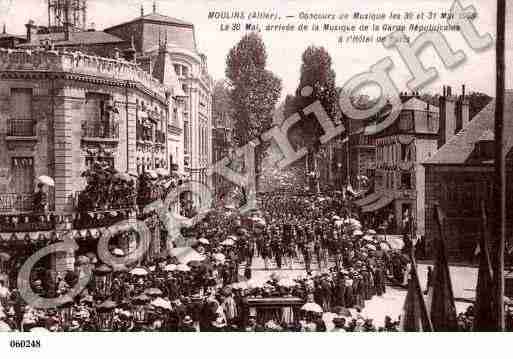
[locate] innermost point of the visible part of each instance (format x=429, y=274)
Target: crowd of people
x=206, y=285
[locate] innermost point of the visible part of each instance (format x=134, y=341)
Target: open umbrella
x=312, y=307
x=123, y=176
x=162, y=172
x=371, y=247
x=4, y=256
x=139, y=271
x=357, y=233
x=338, y=223
x=46, y=180
x=228, y=242
x=186, y=254
x=170, y=268
x=371, y=232
x=183, y=268
x=385, y=246
x=287, y=283
x=161, y=303
x=203, y=241
x=220, y=257
x=118, y=252
x=153, y=292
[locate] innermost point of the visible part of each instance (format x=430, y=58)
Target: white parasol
x=170, y=268
x=186, y=254
x=183, y=268
x=357, y=233
x=228, y=242
x=161, y=303
x=312, y=307
x=220, y=257
x=371, y=232
x=162, y=172
x=46, y=180
x=139, y=271
x=152, y=173
x=118, y=252
x=339, y=223
x=203, y=241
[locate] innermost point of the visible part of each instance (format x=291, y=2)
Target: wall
x=424, y=149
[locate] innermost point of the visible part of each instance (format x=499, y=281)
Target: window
x=406, y=121
x=186, y=137
x=22, y=169
x=21, y=122
x=406, y=180
x=90, y=160
x=184, y=88
x=185, y=71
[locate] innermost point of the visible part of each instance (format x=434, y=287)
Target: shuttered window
x=23, y=175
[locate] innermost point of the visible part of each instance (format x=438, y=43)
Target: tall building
x=132, y=103
x=399, y=179
x=459, y=178
x=148, y=32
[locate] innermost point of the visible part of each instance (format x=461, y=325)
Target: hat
x=187, y=320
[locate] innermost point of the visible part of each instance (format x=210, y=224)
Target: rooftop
x=76, y=38
x=155, y=17
x=460, y=148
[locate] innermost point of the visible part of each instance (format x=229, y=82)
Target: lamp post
x=339, y=177
x=105, y=316
x=102, y=281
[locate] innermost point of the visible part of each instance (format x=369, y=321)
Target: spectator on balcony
x=40, y=199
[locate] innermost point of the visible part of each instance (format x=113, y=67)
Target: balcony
x=21, y=129
x=15, y=202
x=96, y=131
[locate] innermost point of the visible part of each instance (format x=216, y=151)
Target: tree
x=254, y=92
x=318, y=76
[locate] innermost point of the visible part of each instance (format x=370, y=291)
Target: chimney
x=449, y=91
x=447, y=110
x=462, y=111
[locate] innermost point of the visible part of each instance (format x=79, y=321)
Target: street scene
x=144, y=190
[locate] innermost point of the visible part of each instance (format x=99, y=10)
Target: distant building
x=401, y=149
x=222, y=144
x=459, y=177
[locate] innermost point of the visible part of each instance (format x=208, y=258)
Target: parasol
x=312, y=307
x=161, y=303
x=162, y=172
x=371, y=232
x=123, y=176
x=220, y=257
x=357, y=233
x=336, y=218
x=118, y=252
x=203, y=241
x=4, y=256
x=170, y=267
x=153, y=292
x=384, y=246
x=152, y=173
x=39, y=330
x=186, y=254
x=228, y=242
x=368, y=238
x=395, y=242
x=183, y=268
x=46, y=180
x=371, y=247
x=139, y=271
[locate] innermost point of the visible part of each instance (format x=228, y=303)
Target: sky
x=284, y=49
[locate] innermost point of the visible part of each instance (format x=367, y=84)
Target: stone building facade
x=59, y=112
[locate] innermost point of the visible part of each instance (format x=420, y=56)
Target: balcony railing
x=21, y=128
x=15, y=202
x=100, y=130
x=143, y=133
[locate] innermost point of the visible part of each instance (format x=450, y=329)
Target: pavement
x=463, y=279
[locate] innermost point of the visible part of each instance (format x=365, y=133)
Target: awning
x=382, y=202
x=369, y=199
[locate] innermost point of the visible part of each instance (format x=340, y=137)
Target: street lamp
x=140, y=308
x=105, y=313
x=102, y=280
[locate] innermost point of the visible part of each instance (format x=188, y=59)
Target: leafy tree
x=254, y=92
